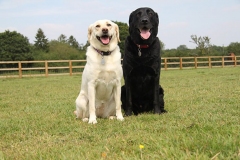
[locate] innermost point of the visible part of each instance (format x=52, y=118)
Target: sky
x=178, y=19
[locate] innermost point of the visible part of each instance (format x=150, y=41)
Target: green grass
x=203, y=120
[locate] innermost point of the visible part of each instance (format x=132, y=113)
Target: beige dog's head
x=103, y=35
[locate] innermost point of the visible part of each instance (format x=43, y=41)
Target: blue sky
x=179, y=19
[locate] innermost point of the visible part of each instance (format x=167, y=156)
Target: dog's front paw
x=120, y=118
x=160, y=111
x=85, y=119
x=128, y=114
x=112, y=117
x=163, y=111
x=92, y=121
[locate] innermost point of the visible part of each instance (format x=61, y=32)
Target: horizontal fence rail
x=9, y=69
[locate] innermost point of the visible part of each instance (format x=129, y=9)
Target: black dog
x=142, y=65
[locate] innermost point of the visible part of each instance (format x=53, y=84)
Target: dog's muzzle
x=104, y=39
x=145, y=33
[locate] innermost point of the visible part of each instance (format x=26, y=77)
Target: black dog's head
x=143, y=25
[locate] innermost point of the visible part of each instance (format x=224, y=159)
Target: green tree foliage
x=62, y=38
x=218, y=50
x=41, y=42
x=179, y=52
x=14, y=47
x=203, y=44
x=182, y=51
x=73, y=42
x=162, y=45
x=182, y=47
x=86, y=45
x=234, y=47
x=60, y=51
x=123, y=32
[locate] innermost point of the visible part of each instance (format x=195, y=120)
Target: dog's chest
x=105, y=83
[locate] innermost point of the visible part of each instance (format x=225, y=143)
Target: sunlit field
x=203, y=120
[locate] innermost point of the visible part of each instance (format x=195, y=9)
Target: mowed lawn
x=203, y=120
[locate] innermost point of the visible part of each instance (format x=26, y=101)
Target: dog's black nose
x=105, y=30
x=145, y=20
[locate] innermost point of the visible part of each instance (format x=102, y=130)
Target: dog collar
x=103, y=53
x=142, y=46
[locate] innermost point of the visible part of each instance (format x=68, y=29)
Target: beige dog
x=101, y=79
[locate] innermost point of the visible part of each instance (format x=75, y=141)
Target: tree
x=123, y=32
x=182, y=47
x=61, y=51
x=62, y=38
x=73, y=42
x=234, y=47
x=41, y=42
x=203, y=44
x=162, y=45
x=85, y=46
x=218, y=50
x=14, y=47
x=81, y=46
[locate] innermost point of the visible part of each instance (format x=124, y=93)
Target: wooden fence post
x=222, y=61
x=20, y=69
x=180, y=62
x=209, y=62
x=165, y=63
x=46, y=68
x=70, y=67
x=235, y=61
x=195, y=62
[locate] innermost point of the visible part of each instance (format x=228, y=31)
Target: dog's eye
x=97, y=26
x=139, y=14
x=150, y=14
x=109, y=25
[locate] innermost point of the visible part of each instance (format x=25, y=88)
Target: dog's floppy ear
x=157, y=19
x=117, y=32
x=90, y=32
x=131, y=17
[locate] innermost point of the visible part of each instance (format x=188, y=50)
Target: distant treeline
x=16, y=47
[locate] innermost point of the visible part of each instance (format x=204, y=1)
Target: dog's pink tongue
x=145, y=34
x=105, y=40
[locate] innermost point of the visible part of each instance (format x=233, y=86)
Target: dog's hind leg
x=161, y=99
x=156, y=102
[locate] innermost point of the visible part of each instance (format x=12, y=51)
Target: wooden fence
x=21, y=69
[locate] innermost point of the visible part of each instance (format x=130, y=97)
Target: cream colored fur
x=101, y=83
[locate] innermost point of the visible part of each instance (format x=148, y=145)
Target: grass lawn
x=203, y=120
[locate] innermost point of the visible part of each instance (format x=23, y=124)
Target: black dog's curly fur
x=141, y=71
